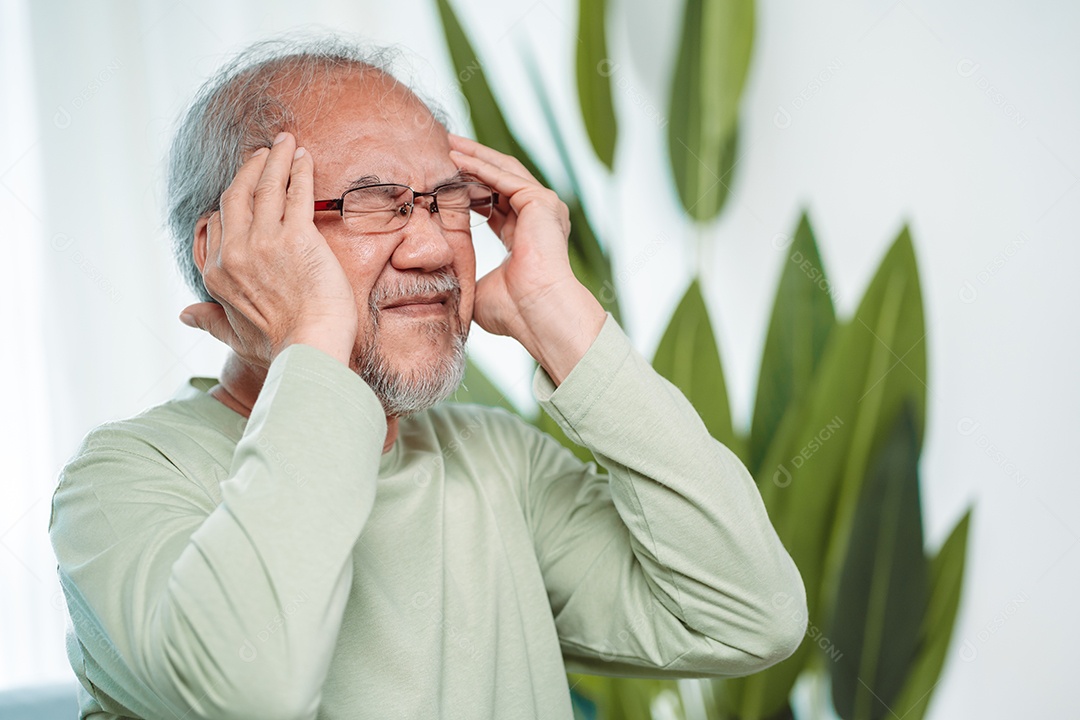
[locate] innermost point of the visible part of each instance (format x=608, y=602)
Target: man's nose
x=423, y=243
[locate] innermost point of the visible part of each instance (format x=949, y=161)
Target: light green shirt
x=282, y=566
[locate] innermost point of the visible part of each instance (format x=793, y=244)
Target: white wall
x=958, y=118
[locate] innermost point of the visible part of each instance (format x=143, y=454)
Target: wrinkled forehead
x=368, y=125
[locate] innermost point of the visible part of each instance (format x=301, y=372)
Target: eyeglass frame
x=338, y=203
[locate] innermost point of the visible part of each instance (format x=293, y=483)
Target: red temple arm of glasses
x=328, y=204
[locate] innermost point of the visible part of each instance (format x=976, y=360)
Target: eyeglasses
x=388, y=206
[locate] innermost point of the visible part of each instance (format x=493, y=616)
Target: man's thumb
x=210, y=317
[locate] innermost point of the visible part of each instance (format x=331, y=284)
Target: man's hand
x=276, y=279
x=532, y=295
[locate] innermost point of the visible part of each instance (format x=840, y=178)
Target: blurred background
x=956, y=119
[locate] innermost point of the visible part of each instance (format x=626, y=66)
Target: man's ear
x=198, y=247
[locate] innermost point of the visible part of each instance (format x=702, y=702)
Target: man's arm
x=189, y=609
x=668, y=564
x=672, y=564
x=169, y=594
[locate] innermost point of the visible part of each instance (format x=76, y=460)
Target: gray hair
x=242, y=108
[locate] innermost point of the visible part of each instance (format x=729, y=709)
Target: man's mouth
x=418, y=304
x=432, y=297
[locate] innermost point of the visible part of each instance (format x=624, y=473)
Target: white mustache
x=440, y=282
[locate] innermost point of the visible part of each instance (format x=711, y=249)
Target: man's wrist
x=559, y=334
x=335, y=342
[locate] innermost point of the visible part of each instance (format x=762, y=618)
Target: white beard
x=402, y=393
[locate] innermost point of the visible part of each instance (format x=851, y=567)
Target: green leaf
x=946, y=580
x=813, y=470
x=763, y=695
x=590, y=264
x=487, y=118
x=871, y=365
x=890, y=323
x=546, y=103
x=624, y=699
x=883, y=585
x=714, y=55
x=594, y=79
x=588, y=260
x=583, y=707
x=745, y=698
x=802, y=318
x=688, y=357
x=478, y=388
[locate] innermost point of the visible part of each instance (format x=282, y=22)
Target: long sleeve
x=187, y=607
x=667, y=564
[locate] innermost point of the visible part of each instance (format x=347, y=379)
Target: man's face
x=365, y=128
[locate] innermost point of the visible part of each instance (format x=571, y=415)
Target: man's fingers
x=300, y=198
x=270, y=190
x=236, y=201
x=491, y=156
x=504, y=182
x=514, y=190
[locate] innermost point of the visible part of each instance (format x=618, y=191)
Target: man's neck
x=239, y=386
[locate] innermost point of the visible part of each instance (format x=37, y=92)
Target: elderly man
x=310, y=536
